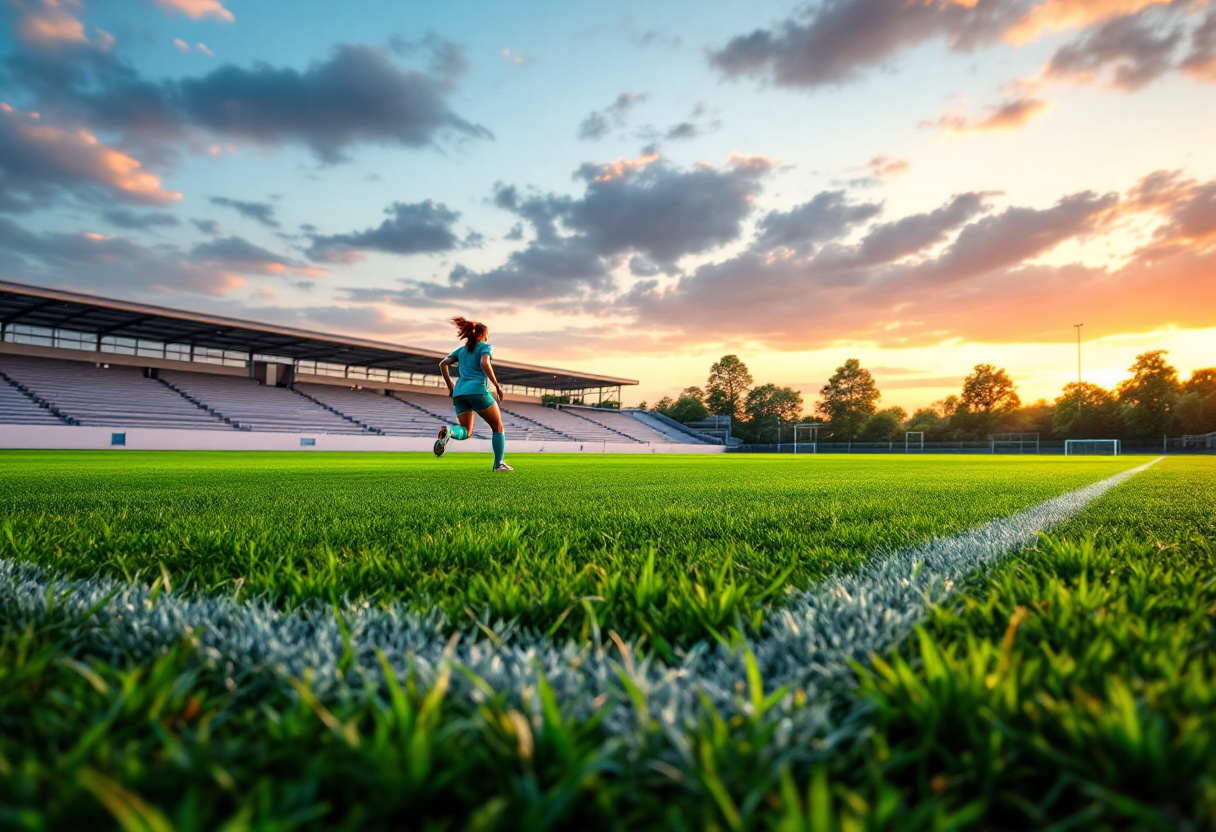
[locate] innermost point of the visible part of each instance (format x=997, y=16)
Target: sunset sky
x=636, y=188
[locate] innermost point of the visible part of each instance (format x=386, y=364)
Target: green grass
x=1076, y=685
x=674, y=548
x=1071, y=687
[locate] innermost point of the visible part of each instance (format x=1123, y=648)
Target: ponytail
x=470, y=331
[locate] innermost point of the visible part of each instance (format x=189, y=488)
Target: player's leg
x=498, y=439
x=464, y=415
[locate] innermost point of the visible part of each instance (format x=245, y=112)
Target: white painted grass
x=806, y=645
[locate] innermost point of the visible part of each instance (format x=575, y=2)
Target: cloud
x=238, y=255
x=423, y=227
x=836, y=41
x=202, y=47
x=886, y=167
x=1200, y=63
x=828, y=216
x=1127, y=53
x=207, y=227
x=1059, y=15
x=262, y=212
x=1011, y=114
x=39, y=162
x=599, y=123
x=892, y=241
x=122, y=218
x=978, y=279
x=516, y=58
x=48, y=23
x=641, y=210
x=355, y=96
x=92, y=262
x=197, y=9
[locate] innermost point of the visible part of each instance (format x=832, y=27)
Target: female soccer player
x=471, y=392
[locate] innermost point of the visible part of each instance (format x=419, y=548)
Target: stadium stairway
x=534, y=429
x=571, y=427
x=334, y=410
x=251, y=405
x=602, y=422
x=440, y=407
x=117, y=396
x=388, y=415
x=19, y=406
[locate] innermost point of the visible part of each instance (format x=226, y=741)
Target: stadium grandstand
x=80, y=361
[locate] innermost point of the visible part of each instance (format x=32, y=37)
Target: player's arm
x=446, y=373
x=488, y=369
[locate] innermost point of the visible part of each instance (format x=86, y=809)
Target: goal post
x=914, y=440
x=812, y=430
x=1091, y=447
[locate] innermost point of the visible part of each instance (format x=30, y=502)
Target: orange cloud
x=198, y=9
x=78, y=155
x=1013, y=114
x=622, y=166
x=884, y=167
x=48, y=23
x=1057, y=15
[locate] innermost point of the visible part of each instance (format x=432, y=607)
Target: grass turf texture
x=677, y=549
x=970, y=726
x=1075, y=685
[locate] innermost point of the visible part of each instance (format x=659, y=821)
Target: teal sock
x=499, y=443
x=459, y=432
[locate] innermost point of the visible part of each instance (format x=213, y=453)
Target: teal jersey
x=472, y=379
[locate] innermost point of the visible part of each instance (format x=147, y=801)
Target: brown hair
x=470, y=331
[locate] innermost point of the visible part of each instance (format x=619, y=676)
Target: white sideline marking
x=806, y=644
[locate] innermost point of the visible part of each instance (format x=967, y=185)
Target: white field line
x=807, y=644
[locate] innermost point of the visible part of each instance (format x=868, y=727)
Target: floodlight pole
x=1077, y=327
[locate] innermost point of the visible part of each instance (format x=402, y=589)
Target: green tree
x=726, y=390
x=1086, y=411
x=694, y=391
x=988, y=397
x=1148, y=397
x=930, y=421
x=848, y=400
x=885, y=425
x=663, y=405
x=687, y=409
x=769, y=406
x=1202, y=382
x=1195, y=410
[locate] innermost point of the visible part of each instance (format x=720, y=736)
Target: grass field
x=675, y=548
x=1071, y=685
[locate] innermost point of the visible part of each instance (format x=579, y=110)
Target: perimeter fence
x=1165, y=445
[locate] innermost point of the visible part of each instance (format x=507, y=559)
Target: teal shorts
x=478, y=402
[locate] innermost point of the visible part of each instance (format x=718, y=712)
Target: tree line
x=1152, y=402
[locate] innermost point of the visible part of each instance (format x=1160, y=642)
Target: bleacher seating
x=628, y=425
x=387, y=414
x=441, y=408
x=565, y=422
x=254, y=406
x=114, y=397
x=59, y=391
x=17, y=408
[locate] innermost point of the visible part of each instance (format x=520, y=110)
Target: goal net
x=1014, y=443
x=1099, y=447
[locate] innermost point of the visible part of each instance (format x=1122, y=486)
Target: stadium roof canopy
x=56, y=309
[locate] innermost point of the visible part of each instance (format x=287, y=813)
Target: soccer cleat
x=441, y=444
x=502, y=466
